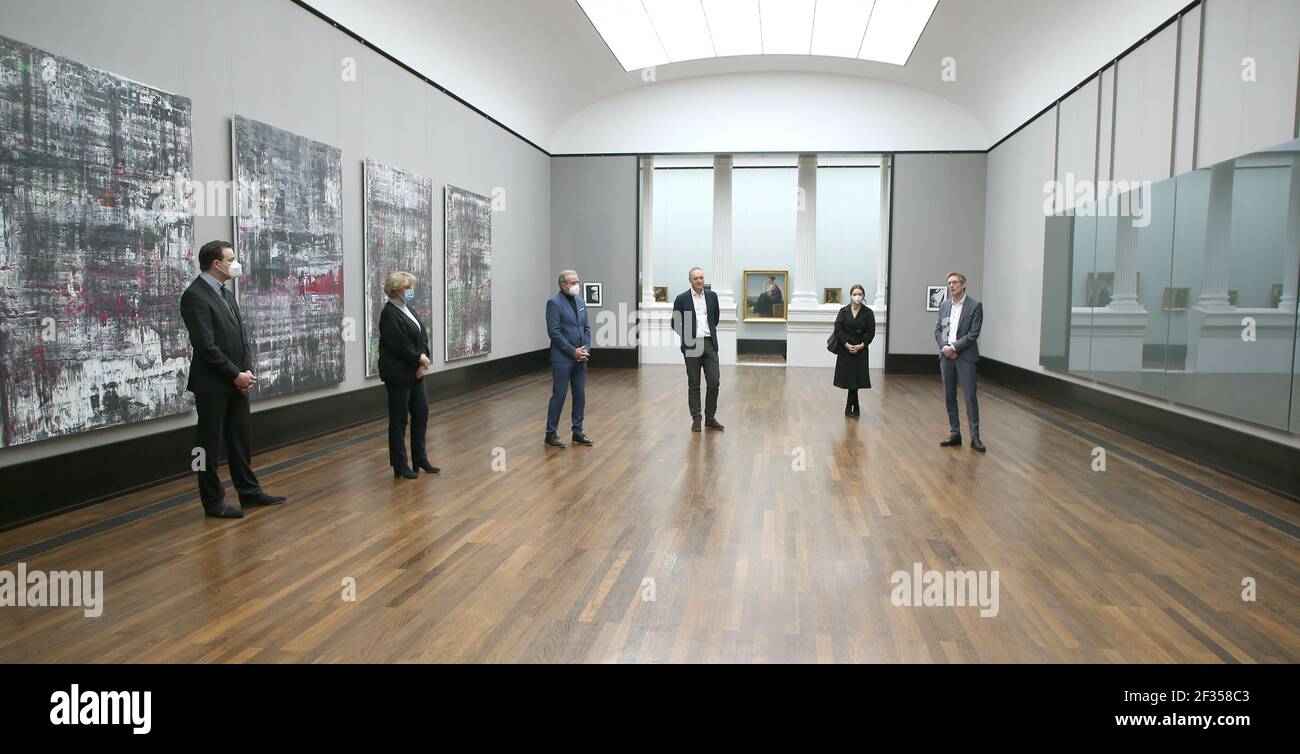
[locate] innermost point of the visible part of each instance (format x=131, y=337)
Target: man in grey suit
x=957, y=334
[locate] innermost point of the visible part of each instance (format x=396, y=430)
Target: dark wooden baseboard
x=67, y=481
x=1255, y=459
x=617, y=358
x=912, y=363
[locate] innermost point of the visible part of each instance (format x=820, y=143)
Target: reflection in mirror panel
x=1185, y=289
x=1134, y=247
x=1084, y=288
x=1058, y=256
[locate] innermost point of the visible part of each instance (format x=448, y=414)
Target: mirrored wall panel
x=1184, y=289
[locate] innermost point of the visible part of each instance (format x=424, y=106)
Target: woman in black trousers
x=855, y=326
x=403, y=361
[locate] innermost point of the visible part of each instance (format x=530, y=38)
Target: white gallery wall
x=769, y=112
x=276, y=62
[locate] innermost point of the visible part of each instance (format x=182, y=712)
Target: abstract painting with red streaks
x=289, y=234
x=399, y=237
x=92, y=263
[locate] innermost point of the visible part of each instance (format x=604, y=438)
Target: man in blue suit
x=695, y=318
x=957, y=334
x=566, y=322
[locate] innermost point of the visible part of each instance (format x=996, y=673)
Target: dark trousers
x=564, y=376
x=960, y=372
x=404, y=401
x=224, y=417
x=706, y=355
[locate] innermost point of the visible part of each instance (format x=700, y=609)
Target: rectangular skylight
x=787, y=26
x=644, y=33
x=734, y=26
x=838, y=27
x=681, y=28
x=895, y=27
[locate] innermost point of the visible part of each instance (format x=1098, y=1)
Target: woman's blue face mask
x=409, y=295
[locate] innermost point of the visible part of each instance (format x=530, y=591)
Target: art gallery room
x=626, y=331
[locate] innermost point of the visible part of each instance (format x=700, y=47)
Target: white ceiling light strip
x=626, y=28
x=839, y=26
x=734, y=26
x=645, y=33
x=895, y=28
x=682, y=28
x=787, y=26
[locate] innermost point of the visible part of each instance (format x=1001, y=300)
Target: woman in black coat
x=855, y=326
x=403, y=361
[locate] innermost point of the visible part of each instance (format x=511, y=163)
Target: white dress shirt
x=701, y=314
x=955, y=319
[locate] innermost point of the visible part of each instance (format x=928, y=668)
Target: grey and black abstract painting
x=289, y=234
x=399, y=237
x=468, y=257
x=92, y=263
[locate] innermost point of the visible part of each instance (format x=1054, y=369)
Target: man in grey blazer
x=957, y=334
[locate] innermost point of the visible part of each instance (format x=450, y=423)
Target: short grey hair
x=565, y=274
x=692, y=270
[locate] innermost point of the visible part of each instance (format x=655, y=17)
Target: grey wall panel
x=938, y=227
x=593, y=228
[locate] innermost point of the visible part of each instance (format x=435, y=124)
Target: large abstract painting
x=289, y=234
x=399, y=236
x=93, y=260
x=468, y=257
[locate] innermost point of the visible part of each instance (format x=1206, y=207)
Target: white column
x=723, y=278
x=805, y=236
x=1218, y=235
x=882, y=269
x=1125, y=296
x=1291, y=262
x=647, y=229
x=808, y=322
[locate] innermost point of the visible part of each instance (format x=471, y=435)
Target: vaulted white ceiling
x=979, y=70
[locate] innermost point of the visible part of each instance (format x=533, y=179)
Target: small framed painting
x=1175, y=299
x=934, y=296
x=661, y=294
x=832, y=295
x=593, y=294
x=765, y=295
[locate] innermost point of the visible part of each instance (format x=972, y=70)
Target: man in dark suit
x=957, y=333
x=695, y=318
x=220, y=378
x=566, y=323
